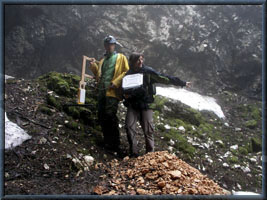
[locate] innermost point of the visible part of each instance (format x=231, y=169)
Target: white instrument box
x=132, y=81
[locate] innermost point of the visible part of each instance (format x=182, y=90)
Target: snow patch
x=14, y=135
x=244, y=193
x=192, y=99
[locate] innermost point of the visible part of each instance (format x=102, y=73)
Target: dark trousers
x=146, y=120
x=107, y=110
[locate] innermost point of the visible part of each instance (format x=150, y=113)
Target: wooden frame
x=84, y=75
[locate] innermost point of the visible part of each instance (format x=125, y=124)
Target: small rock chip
x=234, y=147
x=43, y=140
x=161, y=184
x=89, y=160
x=125, y=159
x=167, y=127
x=141, y=191
x=166, y=164
x=225, y=165
x=98, y=190
x=140, y=180
x=181, y=128
x=46, y=166
x=254, y=160
x=175, y=174
x=112, y=192
x=238, y=129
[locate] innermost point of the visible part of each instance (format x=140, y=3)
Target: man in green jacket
x=109, y=73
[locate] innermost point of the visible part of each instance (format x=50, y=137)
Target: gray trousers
x=146, y=120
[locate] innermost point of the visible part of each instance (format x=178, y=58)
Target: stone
x=181, y=128
x=253, y=160
x=227, y=154
x=161, y=184
x=206, y=145
x=46, y=166
x=68, y=156
x=125, y=159
x=236, y=166
x=234, y=147
x=43, y=140
x=88, y=159
x=219, y=142
x=141, y=191
x=245, y=169
x=225, y=165
x=210, y=160
x=170, y=148
x=98, y=190
x=175, y=174
x=238, y=129
x=171, y=142
x=167, y=126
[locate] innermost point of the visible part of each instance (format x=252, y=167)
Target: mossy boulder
x=64, y=97
x=62, y=84
x=58, y=84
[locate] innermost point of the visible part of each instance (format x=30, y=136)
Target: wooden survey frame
x=84, y=75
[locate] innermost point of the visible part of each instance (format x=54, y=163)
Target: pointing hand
x=188, y=84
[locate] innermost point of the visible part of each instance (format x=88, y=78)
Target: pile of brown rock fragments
x=155, y=174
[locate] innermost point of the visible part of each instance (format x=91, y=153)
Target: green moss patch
x=243, y=151
x=181, y=144
x=45, y=110
x=52, y=101
x=251, y=124
x=158, y=103
x=232, y=159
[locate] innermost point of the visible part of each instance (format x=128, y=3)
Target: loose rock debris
x=155, y=173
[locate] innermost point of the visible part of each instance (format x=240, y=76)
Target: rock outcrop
x=217, y=47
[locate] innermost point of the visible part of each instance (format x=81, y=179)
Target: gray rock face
x=216, y=47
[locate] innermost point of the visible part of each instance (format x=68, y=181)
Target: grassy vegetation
x=180, y=142
x=251, y=124
x=44, y=109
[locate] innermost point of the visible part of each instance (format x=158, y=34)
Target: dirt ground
x=43, y=164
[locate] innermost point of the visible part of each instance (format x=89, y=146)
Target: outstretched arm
x=166, y=79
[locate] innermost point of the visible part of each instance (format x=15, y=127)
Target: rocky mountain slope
x=65, y=154
x=217, y=47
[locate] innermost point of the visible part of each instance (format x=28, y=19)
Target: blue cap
x=110, y=40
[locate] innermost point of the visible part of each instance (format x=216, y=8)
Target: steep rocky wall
x=216, y=47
